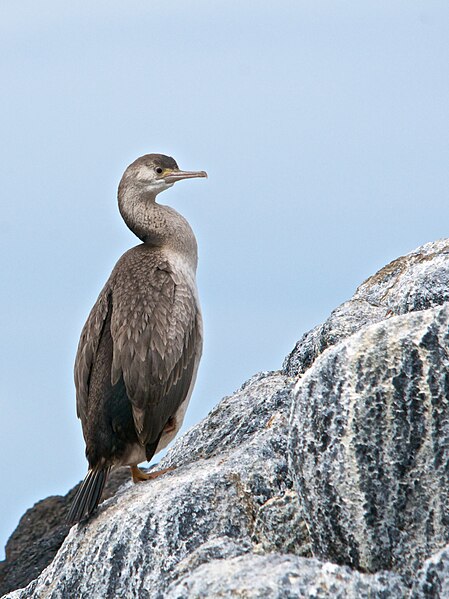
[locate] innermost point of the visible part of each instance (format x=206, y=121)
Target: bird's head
x=154, y=173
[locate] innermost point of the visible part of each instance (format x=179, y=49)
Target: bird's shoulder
x=144, y=267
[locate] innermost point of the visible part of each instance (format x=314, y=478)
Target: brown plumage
x=140, y=347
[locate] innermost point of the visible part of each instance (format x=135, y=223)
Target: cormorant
x=140, y=348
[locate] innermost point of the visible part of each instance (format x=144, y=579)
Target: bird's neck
x=136, y=207
x=155, y=224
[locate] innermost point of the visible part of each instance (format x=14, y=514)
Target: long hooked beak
x=175, y=175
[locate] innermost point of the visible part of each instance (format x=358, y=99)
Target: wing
x=156, y=332
x=87, y=349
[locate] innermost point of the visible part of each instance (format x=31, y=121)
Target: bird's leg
x=138, y=475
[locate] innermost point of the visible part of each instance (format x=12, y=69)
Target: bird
x=140, y=347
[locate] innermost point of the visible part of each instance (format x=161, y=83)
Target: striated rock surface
x=369, y=444
x=343, y=455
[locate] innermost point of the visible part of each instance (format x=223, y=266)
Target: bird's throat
x=138, y=209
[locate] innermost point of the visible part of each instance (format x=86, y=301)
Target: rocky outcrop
x=229, y=467
x=370, y=444
x=40, y=533
x=343, y=455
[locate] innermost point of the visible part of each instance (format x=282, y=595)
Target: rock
x=369, y=444
x=348, y=462
x=281, y=576
x=40, y=533
x=433, y=579
x=255, y=406
x=229, y=467
x=279, y=526
x=417, y=281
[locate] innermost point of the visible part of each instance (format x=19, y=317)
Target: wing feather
x=156, y=332
x=87, y=349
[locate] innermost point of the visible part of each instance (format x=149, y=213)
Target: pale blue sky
x=324, y=127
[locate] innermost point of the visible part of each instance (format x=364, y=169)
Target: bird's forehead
x=164, y=161
x=156, y=160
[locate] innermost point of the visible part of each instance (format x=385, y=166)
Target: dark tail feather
x=88, y=496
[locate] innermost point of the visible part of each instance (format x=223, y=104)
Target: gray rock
x=348, y=462
x=279, y=526
x=284, y=577
x=433, y=579
x=40, y=533
x=262, y=401
x=369, y=446
x=417, y=281
x=228, y=468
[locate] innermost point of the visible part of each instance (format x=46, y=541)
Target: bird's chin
x=155, y=188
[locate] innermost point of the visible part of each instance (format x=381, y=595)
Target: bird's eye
x=158, y=170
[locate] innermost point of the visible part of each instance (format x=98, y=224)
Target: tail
x=88, y=495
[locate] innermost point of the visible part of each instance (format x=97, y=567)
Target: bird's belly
x=134, y=454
